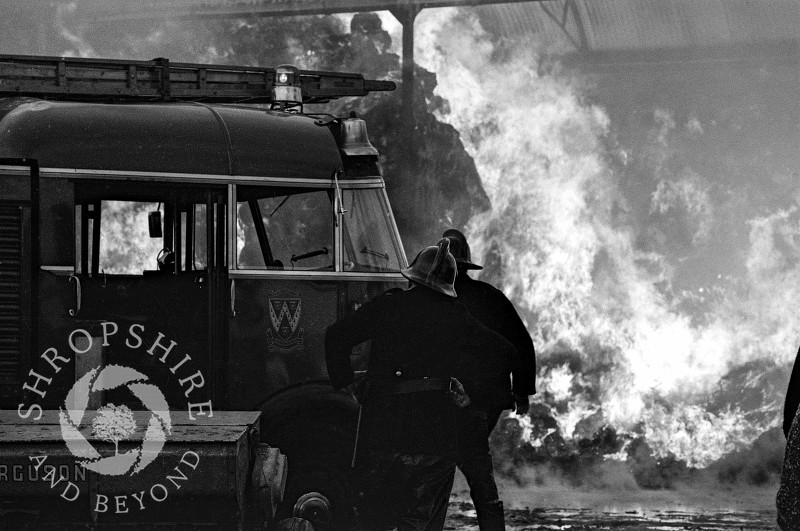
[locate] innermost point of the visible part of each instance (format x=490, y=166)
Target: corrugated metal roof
x=595, y=25
x=604, y=27
x=590, y=25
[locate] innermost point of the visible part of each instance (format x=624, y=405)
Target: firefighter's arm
x=502, y=353
x=792, y=397
x=522, y=403
x=494, y=356
x=337, y=356
x=341, y=337
x=524, y=369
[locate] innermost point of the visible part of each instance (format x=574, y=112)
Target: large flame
x=645, y=352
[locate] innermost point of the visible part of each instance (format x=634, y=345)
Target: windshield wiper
x=277, y=207
x=311, y=254
x=379, y=254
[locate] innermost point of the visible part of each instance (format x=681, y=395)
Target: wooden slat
x=49, y=433
x=93, y=79
x=179, y=418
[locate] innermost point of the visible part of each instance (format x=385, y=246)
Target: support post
x=406, y=16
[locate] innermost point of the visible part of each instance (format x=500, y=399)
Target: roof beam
x=687, y=58
x=117, y=10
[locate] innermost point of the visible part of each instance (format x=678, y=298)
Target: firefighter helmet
x=435, y=268
x=459, y=248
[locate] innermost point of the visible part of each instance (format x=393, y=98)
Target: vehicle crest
x=284, y=333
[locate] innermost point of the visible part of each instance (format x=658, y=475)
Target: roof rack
x=80, y=79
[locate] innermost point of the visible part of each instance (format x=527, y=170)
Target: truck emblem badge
x=114, y=423
x=284, y=335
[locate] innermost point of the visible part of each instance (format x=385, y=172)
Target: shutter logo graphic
x=114, y=423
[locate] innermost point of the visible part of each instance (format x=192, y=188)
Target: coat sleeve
x=788, y=498
x=523, y=372
x=342, y=336
x=492, y=356
x=792, y=397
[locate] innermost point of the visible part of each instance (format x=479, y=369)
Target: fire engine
x=191, y=229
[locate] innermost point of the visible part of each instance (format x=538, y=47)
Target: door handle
x=77, y=309
x=233, y=297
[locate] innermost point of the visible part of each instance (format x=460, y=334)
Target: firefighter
x=788, y=497
x=792, y=401
x=787, y=500
x=421, y=338
x=475, y=423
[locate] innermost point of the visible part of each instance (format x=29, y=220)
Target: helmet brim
x=445, y=289
x=464, y=264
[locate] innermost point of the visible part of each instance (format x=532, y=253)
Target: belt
x=404, y=387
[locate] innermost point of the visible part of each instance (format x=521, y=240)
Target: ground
x=695, y=507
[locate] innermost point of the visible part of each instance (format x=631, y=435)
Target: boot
x=490, y=516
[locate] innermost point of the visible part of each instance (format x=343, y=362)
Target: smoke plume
x=611, y=241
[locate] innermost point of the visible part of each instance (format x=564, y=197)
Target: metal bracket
x=164, y=85
x=339, y=201
x=233, y=297
x=75, y=312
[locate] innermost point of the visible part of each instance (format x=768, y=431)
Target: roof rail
x=80, y=79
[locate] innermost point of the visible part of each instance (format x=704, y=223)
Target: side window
x=197, y=239
x=126, y=247
x=288, y=229
x=135, y=229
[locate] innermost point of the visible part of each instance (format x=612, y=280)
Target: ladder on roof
x=80, y=79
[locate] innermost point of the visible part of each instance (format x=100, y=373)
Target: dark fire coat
x=788, y=498
x=491, y=307
x=415, y=334
x=792, y=397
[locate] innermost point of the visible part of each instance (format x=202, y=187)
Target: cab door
x=150, y=257
x=301, y=257
x=283, y=293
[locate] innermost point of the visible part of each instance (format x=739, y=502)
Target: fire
x=647, y=353
x=696, y=435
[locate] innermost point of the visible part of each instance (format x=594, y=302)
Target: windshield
x=295, y=233
x=367, y=232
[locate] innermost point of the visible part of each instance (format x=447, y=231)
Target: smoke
x=600, y=237
x=121, y=223
x=78, y=46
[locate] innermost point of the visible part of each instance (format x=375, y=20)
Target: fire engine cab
x=193, y=229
